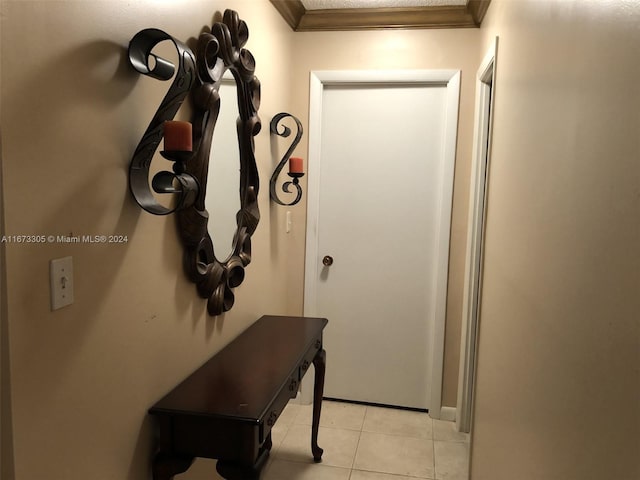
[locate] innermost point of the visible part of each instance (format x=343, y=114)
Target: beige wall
x=398, y=49
x=73, y=111
x=558, y=370
x=558, y=360
x=6, y=453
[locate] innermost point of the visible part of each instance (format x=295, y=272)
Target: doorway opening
x=441, y=87
x=485, y=92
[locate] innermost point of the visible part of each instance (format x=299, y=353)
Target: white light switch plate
x=288, y=222
x=61, y=274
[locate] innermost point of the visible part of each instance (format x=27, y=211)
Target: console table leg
x=319, y=362
x=242, y=471
x=165, y=465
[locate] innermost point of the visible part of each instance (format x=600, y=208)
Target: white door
x=382, y=149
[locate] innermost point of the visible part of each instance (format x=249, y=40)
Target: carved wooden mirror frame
x=216, y=52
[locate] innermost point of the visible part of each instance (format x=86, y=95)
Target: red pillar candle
x=295, y=165
x=177, y=136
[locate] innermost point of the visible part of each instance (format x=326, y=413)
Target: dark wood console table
x=226, y=409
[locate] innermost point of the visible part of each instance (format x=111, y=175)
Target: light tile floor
x=360, y=443
x=366, y=443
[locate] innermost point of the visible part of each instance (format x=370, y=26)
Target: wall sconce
x=163, y=182
x=295, y=163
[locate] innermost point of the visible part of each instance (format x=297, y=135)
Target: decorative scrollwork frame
x=216, y=52
x=276, y=122
x=140, y=49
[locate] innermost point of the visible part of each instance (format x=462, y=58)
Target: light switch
x=288, y=222
x=61, y=275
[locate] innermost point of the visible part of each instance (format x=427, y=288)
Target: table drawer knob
x=293, y=385
x=273, y=416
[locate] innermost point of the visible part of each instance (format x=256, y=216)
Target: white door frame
x=451, y=80
x=485, y=84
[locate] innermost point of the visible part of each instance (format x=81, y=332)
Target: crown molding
x=302, y=20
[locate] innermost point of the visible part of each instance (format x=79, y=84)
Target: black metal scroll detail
x=216, y=52
x=177, y=182
x=285, y=132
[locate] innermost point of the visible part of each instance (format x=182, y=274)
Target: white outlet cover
x=61, y=276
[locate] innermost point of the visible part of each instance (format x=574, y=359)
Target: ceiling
x=318, y=15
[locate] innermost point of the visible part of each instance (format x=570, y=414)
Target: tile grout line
x=396, y=475
x=355, y=454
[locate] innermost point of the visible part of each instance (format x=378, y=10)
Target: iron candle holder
x=295, y=176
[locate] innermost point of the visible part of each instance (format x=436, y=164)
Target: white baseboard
x=448, y=414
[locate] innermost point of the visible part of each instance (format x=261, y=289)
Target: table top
x=240, y=380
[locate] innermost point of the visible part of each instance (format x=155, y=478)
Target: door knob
x=327, y=260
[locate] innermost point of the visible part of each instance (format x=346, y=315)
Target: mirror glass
x=223, y=180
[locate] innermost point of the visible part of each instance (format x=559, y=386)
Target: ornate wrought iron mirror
x=219, y=56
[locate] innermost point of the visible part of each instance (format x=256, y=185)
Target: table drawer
x=305, y=364
x=288, y=392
